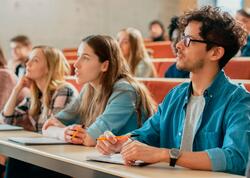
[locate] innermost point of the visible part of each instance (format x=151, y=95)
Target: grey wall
x=62, y=23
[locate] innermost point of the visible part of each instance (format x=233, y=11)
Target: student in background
x=8, y=80
x=134, y=51
x=244, y=17
x=20, y=48
x=46, y=69
x=50, y=93
x=174, y=36
x=156, y=31
x=111, y=98
x=202, y=124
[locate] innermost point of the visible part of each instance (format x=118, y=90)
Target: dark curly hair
x=217, y=27
x=173, y=26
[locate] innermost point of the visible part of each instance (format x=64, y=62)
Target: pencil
x=119, y=137
x=75, y=132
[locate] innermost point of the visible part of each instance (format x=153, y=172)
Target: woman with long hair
x=110, y=100
x=49, y=92
x=134, y=51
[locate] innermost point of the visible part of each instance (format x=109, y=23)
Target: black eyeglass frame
x=184, y=38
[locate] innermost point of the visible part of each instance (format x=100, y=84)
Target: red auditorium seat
x=161, y=65
x=237, y=68
x=159, y=87
x=160, y=49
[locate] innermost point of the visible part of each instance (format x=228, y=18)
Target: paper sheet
x=54, y=132
x=37, y=140
x=6, y=127
x=115, y=158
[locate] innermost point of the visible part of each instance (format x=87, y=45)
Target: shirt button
x=179, y=133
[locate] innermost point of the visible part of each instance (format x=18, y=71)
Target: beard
x=190, y=66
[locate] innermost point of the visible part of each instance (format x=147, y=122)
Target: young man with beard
x=202, y=124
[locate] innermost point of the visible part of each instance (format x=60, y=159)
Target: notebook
x=115, y=159
x=37, y=140
x=6, y=127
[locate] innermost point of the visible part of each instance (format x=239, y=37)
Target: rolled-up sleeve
x=233, y=155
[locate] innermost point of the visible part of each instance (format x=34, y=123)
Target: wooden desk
x=70, y=160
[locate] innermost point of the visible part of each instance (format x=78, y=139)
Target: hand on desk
x=131, y=150
x=135, y=150
x=75, y=134
x=111, y=144
x=52, y=122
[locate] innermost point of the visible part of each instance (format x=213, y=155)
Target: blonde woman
x=50, y=93
x=111, y=99
x=133, y=49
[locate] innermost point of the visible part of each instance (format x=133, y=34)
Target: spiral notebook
x=114, y=159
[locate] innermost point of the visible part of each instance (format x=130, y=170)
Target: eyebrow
x=188, y=35
x=83, y=54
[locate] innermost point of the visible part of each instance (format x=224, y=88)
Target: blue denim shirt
x=221, y=129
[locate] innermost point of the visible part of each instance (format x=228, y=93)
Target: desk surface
x=71, y=160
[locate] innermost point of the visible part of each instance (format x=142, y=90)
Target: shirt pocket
x=207, y=140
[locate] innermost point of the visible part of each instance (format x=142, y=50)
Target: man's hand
x=111, y=144
x=135, y=150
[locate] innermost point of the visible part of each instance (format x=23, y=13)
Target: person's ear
x=217, y=53
x=105, y=66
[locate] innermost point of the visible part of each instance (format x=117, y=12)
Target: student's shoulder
x=67, y=89
x=124, y=85
x=181, y=87
x=237, y=89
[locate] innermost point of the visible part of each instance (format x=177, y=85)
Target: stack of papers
x=115, y=159
x=37, y=140
x=6, y=127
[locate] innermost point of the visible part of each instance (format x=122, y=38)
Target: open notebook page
x=115, y=159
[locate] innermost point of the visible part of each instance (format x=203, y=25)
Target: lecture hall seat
x=237, y=68
x=160, y=49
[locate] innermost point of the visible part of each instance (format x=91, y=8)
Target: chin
x=28, y=75
x=79, y=81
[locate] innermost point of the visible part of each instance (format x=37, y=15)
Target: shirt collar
x=213, y=89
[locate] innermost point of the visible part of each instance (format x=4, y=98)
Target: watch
x=174, y=155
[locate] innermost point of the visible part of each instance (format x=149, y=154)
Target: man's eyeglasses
x=187, y=40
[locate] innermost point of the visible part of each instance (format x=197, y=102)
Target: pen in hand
x=119, y=137
x=75, y=132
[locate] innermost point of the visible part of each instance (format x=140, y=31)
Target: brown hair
x=219, y=29
x=244, y=13
x=24, y=40
x=57, y=67
x=93, y=102
x=138, y=50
